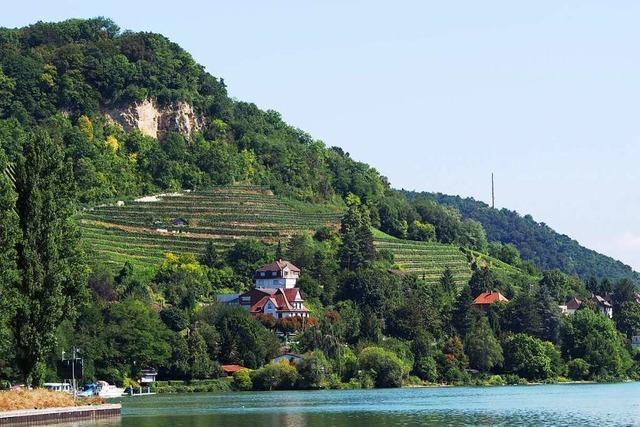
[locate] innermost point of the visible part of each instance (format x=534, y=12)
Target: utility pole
x=493, y=193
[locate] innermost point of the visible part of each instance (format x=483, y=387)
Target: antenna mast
x=493, y=193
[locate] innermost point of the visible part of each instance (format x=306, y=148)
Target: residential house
x=274, y=293
x=635, y=342
x=279, y=302
x=278, y=274
x=603, y=305
x=572, y=305
x=486, y=299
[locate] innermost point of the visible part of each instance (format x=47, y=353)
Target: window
x=273, y=273
x=262, y=273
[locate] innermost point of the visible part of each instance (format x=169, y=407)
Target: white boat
x=107, y=390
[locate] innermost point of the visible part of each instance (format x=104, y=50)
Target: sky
x=436, y=95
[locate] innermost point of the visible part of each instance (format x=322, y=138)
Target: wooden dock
x=33, y=417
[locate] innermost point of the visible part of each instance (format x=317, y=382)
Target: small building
x=603, y=305
x=572, y=305
x=635, y=342
x=290, y=358
x=179, y=222
x=486, y=299
x=148, y=376
x=229, y=370
x=278, y=274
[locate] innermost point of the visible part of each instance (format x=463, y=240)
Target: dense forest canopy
x=65, y=75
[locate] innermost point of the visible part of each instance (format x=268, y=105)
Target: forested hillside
x=136, y=191
x=75, y=76
x=536, y=241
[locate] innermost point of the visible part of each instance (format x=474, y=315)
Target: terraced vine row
x=142, y=232
x=426, y=259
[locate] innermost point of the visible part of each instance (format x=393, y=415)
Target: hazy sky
x=436, y=95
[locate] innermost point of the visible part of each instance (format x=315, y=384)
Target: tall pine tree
x=52, y=276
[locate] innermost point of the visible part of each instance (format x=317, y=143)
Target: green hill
x=136, y=114
x=536, y=241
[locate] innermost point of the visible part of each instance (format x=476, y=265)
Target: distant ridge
x=536, y=241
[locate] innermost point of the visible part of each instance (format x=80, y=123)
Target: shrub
x=495, y=380
x=386, y=369
x=578, y=369
x=242, y=380
x=427, y=369
x=274, y=376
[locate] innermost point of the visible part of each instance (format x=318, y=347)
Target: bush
x=242, y=380
x=513, y=379
x=275, y=376
x=386, y=369
x=313, y=370
x=427, y=369
x=578, y=369
x=495, y=380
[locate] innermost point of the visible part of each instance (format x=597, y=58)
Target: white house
x=278, y=274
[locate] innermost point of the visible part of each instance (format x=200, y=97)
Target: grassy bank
x=41, y=399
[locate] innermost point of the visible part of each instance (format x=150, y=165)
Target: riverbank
x=227, y=384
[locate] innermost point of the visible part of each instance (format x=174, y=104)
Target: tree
x=200, y=366
x=384, y=366
x=419, y=230
x=313, y=370
x=9, y=235
x=590, y=336
x=243, y=340
x=357, y=248
x=627, y=318
x=135, y=336
x=624, y=291
x=210, y=256
x=482, y=280
x=49, y=259
x=481, y=345
x=246, y=256
x=527, y=356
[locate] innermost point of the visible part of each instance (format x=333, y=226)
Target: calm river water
x=558, y=405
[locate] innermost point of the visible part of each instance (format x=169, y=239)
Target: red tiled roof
x=230, y=369
x=489, y=298
x=280, y=297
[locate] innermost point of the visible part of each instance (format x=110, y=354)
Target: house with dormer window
x=274, y=293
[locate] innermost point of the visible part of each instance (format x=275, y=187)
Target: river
x=558, y=405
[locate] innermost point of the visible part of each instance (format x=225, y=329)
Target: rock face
x=154, y=120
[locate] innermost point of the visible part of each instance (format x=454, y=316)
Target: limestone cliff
x=154, y=120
